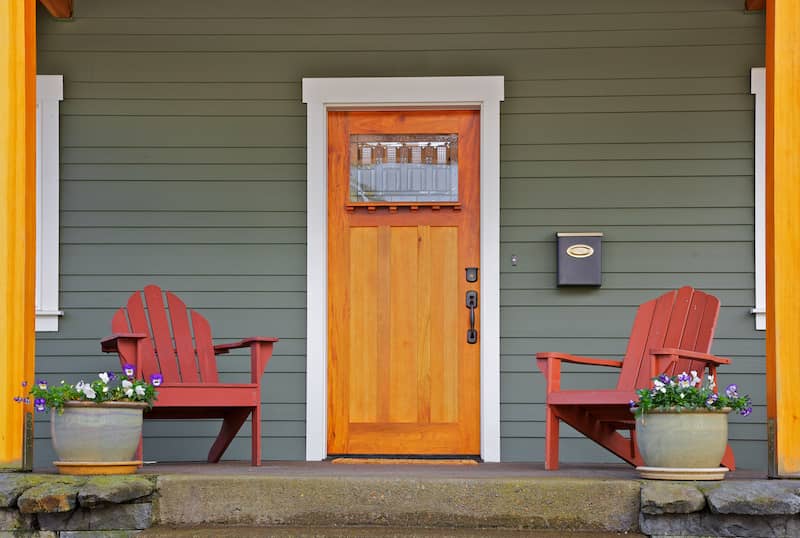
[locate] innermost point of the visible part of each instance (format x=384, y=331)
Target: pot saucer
x=682, y=473
x=97, y=467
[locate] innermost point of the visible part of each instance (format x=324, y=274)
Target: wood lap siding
x=183, y=163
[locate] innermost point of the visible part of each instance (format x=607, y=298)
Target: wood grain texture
x=18, y=216
x=410, y=387
x=783, y=229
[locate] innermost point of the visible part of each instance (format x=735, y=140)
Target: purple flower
x=24, y=384
x=18, y=399
x=746, y=411
x=684, y=380
x=43, y=384
x=731, y=391
x=632, y=404
x=111, y=376
x=128, y=369
x=27, y=401
x=39, y=404
x=156, y=380
x=665, y=379
x=711, y=400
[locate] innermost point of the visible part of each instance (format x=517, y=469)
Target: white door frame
x=321, y=94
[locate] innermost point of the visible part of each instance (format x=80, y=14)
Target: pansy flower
x=156, y=380
x=127, y=387
x=128, y=369
x=40, y=405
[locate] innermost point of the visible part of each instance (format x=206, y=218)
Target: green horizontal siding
x=184, y=163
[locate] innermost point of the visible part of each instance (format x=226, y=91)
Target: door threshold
x=412, y=459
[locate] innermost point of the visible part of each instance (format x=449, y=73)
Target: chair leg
x=230, y=427
x=728, y=460
x=139, y=450
x=550, y=440
x=255, y=417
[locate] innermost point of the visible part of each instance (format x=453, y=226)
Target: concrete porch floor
x=320, y=469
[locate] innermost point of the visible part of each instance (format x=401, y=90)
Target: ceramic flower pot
x=683, y=440
x=102, y=437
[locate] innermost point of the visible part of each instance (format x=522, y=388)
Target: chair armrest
x=260, y=353
x=111, y=344
x=549, y=363
x=564, y=357
x=220, y=349
x=674, y=354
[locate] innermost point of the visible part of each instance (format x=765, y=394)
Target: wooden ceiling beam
x=754, y=5
x=60, y=9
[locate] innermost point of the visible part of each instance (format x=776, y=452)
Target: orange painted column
x=783, y=236
x=17, y=225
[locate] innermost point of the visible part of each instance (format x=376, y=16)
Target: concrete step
x=407, y=502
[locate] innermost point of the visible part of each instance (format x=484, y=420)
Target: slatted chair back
x=684, y=319
x=179, y=352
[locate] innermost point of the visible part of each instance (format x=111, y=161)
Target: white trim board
x=321, y=94
x=758, y=88
x=49, y=92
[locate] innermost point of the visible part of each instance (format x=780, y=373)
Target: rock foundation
x=736, y=508
x=53, y=506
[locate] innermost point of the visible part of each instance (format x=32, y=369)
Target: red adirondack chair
x=671, y=334
x=191, y=387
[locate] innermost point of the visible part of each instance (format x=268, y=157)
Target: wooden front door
x=403, y=227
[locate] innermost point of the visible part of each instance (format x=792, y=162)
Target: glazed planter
x=685, y=444
x=91, y=438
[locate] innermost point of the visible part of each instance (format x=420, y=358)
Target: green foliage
x=688, y=391
x=109, y=387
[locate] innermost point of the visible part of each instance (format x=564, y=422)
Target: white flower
x=140, y=390
x=658, y=384
x=104, y=377
x=89, y=392
x=80, y=385
x=105, y=388
x=695, y=379
x=128, y=387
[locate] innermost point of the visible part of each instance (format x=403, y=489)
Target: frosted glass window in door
x=404, y=168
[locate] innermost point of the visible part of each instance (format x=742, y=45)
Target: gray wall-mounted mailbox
x=579, y=258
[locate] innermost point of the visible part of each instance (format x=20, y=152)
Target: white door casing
x=322, y=94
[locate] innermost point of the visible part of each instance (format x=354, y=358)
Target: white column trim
x=758, y=88
x=49, y=92
x=320, y=94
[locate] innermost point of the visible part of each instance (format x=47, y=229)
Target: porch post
x=783, y=236
x=17, y=225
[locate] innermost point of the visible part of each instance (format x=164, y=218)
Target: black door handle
x=472, y=304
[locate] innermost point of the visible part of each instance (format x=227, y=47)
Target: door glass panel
x=403, y=168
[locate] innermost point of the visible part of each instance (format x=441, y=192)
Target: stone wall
x=67, y=506
x=752, y=508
